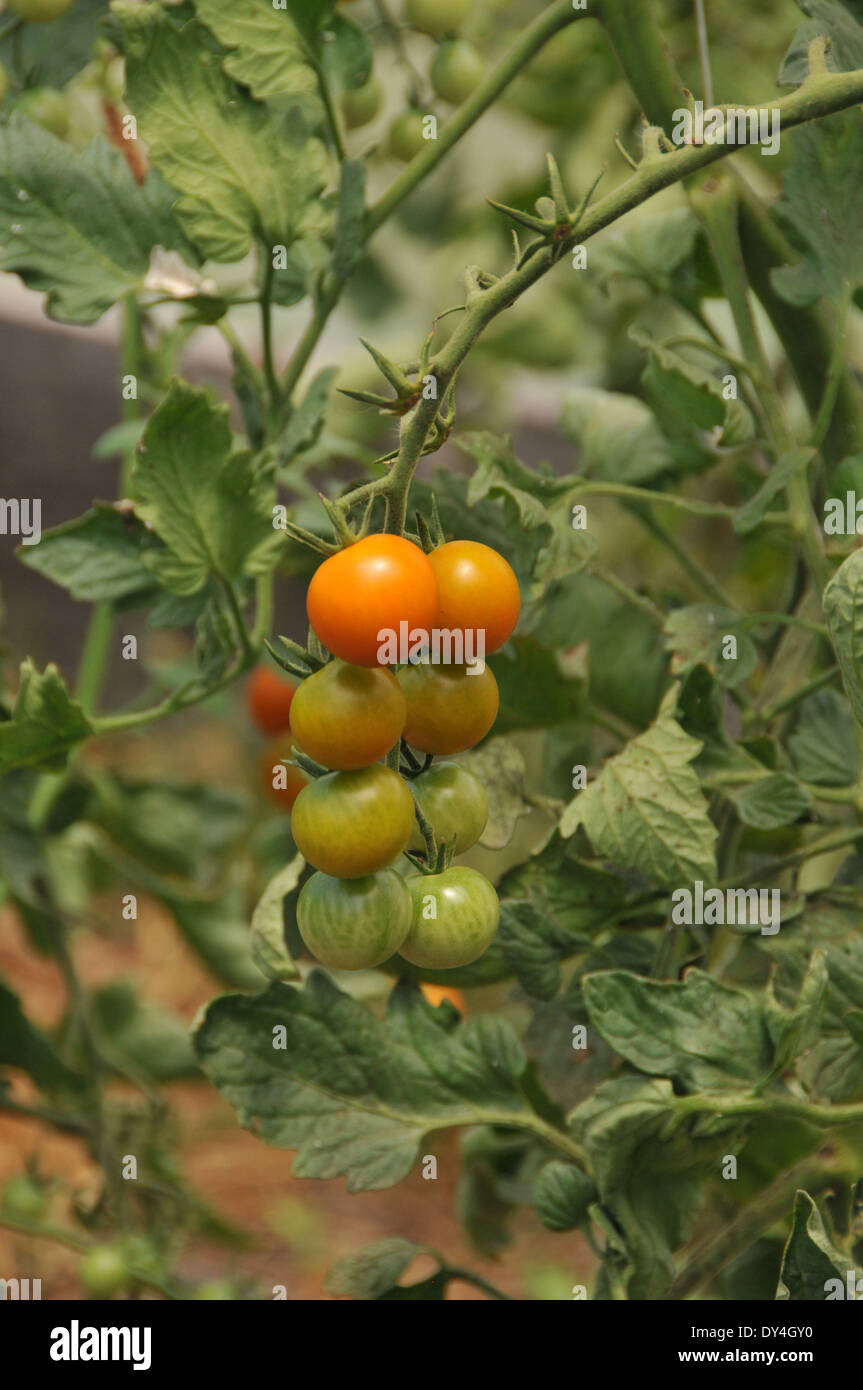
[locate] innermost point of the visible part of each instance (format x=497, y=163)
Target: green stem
x=270, y=377
x=816, y=683
x=700, y=576
x=789, y=1107
x=835, y=373
x=468, y=1277
x=635, y=600
x=91, y=669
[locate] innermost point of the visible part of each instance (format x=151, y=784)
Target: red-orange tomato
x=436, y=994
x=478, y=590
x=280, y=784
x=366, y=591
x=268, y=700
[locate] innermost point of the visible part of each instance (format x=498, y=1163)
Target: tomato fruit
x=268, y=700
x=454, y=802
x=455, y=917
x=478, y=591
x=457, y=70
x=438, y=17
x=354, y=923
x=23, y=1198
x=436, y=994
x=449, y=709
x=350, y=824
x=361, y=104
x=369, y=589
x=347, y=717
x=44, y=107
x=103, y=1271
x=42, y=11
x=406, y=136
x=281, y=784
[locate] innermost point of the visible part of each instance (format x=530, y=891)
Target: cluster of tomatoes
x=367, y=723
x=457, y=69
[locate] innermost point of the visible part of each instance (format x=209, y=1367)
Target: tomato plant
x=532, y=435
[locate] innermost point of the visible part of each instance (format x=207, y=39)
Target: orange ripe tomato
x=435, y=994
x=280, y=784
x=368, y=589
x=478, y=590
x=268, y=700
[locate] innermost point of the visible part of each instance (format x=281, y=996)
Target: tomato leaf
x=209, y=505
x=646, y=810
x=269, y=947
x=500, y=767
x=690, y=397
x=374, y=1272
x=833, y=21
x=355, y=1095
x=810, y=1260
x=97, y=557
x=843, y=608
x=80, y=229
x=45, y=725
x=771, y=801
x=562, y=1195
x=225, y=153
x=22, y=1045
x=824, y=744
x=266, y=50
x=618, y=436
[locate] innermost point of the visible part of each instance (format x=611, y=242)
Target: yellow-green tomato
x=438, y=17
x=361, y=104
x=46, y=107
x=103, y=1271
x=346, y=717
x=23, y=1198
x=455, y=804
x=354, y=923
x=457, y=70
x=455, y=918
x=406, y=136
x=39, y=11
x=350, y=824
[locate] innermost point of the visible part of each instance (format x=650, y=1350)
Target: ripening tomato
x=350, y=824
x=438, y=17
x=406, y=135
x=366, y=591
x=449, y=709
x=346, y=717
x=45, y=107
x=268, y=700
x=436, y=994
x=361, y=104
x=281, y=784
x=457, y=70
x=455, y=918
x=354, y=923
x=478, y=591
x=455, y=804
x=41, y=11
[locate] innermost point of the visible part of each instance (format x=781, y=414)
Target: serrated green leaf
x=771, y=801
x=700, y=1033
x=843, y=608
x=83, y=231
x=795, y=1030
x=696, y=636
x=810, y=1260
x=269, y=947
x=226, y=154
x=827, y=174
x=97, y=557
x=22, y=1045
x=375, y=1271
x=140, y=1036
x=534, y=691
x=45, y=725
x=305, y=424
x=350, y=219
x=354, y=1094
x=51, y=54
x=207, y=504
x=646, y=810
x=824, y=744
x=613, y=1123
x=563, y=1194
x=690, y=396
x=618, y=436
x=266, y=51
x=219, y=932
x=651, y=249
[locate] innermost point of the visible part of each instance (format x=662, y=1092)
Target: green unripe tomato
x=351, y=824
x=355, y=923
x=46, y=107
x=406, y=138
x=456, y=71
x=40, y=11
x=23, y=1198
x=361, y=104
x=438, y=17
x=455, y=919
x=454, y=802
x=103, y=1271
